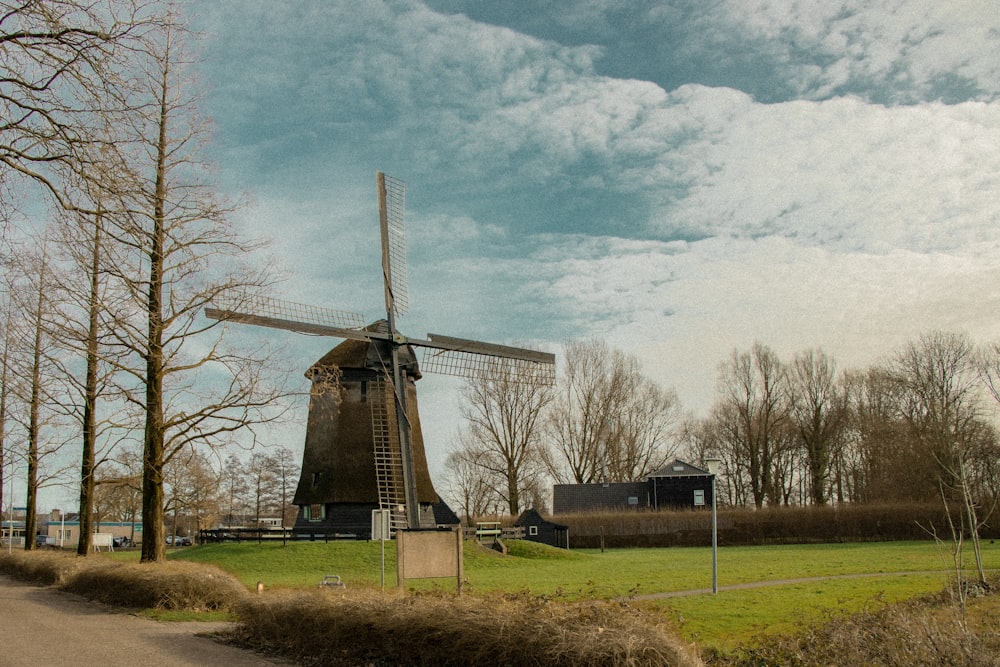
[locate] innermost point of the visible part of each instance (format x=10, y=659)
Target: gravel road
x=45, y=626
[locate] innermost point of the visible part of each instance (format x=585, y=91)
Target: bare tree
x=819, y=414
x=4, y=392
x=58, y=60
x=235, y=487
x=579, y=423
x=190, y=386
x=467, y=484
x=503, y=407
x=643, y=429
x=117, y=490
x=753, y=415
x=941, y=386
x=607, y=421
x=33, y=374
x=191, y=490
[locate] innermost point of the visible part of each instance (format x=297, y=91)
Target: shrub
x=41, y=567
x=362, y=628
x=174, y=585
x=924, y=632
x=770, y=525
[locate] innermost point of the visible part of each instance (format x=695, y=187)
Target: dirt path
x=44, y=626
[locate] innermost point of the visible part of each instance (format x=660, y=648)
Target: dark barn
x=573, y=498
x=676, y=485
x=538, y=529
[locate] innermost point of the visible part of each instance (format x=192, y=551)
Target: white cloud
x=844, y=173
x=904, y=45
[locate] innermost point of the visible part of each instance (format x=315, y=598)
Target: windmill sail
x=391, y=211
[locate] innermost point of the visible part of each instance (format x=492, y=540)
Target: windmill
x=390, y=354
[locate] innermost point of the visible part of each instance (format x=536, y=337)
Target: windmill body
x=364, y=447
x=350, y=463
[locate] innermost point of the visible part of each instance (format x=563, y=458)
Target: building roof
x=532, y=517
x=572, y=498
x=678, y=468
x=373, y=355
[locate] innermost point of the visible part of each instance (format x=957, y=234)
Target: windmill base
x=354, y=520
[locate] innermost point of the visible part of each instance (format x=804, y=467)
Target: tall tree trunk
x=153, y=548
x=87, y=481
x=34, y=427
x=3, y=409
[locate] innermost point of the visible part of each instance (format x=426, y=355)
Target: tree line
x=917, y=426
x=103, y=333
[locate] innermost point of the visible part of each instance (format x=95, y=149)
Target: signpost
x=382, y=531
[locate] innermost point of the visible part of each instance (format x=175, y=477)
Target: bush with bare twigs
x=926, y=632
x=40, y=567
x=174, y=585
x=364, y=628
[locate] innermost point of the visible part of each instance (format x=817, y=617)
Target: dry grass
x=771, y=525
x=368, y=628
x=174, y=585
x=925, y=632
x=51, y=568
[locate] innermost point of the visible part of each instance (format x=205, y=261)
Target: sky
x=679, y=179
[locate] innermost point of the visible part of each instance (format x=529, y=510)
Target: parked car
x=121, y=542
x=178, y=541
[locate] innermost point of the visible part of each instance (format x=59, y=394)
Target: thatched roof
x=366, y=355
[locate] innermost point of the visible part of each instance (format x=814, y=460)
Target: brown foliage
x=770, y=525
x=175, y=585
x=41, y=567
x=361, y=628
x=926, y=632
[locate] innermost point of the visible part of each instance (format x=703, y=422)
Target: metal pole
x=713, y=469
x=715, y=544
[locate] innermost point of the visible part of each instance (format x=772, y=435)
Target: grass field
x=853, y=577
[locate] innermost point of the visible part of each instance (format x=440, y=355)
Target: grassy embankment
x=853, y=577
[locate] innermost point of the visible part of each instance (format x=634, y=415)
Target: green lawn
x=723, y=620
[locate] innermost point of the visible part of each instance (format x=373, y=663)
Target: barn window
x=699, y=497
x=316, y=512
x=532, y=530
x=633, y=500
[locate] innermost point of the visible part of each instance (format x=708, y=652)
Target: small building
x=538, y=529
x=680, y=485
x=63, y=530
x=676, y=485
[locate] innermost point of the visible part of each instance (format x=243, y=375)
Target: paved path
x=787, y=582
x=45, y=626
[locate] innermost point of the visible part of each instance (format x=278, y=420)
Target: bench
x=331, y=581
